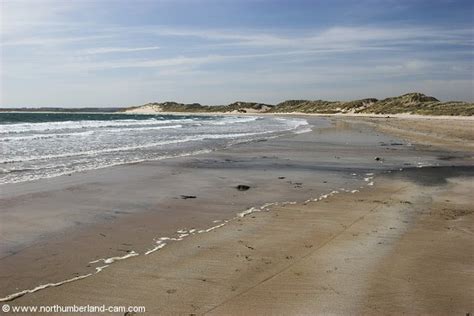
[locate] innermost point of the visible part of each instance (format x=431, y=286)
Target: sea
x=43, y=145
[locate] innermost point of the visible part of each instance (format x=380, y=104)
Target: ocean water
x=43, y=145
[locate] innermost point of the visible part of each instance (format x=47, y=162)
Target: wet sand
x=403, y=244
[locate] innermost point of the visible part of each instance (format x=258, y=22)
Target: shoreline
x=296, y=114
x=230, y=153
x=301, y=114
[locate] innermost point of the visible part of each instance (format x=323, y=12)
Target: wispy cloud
x=90, y=44
x=318, y=38
x=107, y=50
x=23, y=16
x=48, y=40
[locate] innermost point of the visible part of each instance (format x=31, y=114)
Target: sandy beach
x=359, y=216
x=236, y=157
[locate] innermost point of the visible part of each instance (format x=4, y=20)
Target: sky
x=76, y=53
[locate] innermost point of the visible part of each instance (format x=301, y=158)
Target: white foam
x=248, y=211
x=99, y=269
x=157, y=247
x=71, y=125
x=57, y=174
x=48, y=285
x=234, y=120
x=210, y=229
x=113, y=259
x=139, y=129
x=304, y=130
x=127, y=148
x=423, y=164
x=46, y=136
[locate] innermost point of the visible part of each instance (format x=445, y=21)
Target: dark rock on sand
x=185, y=197
x=242, y=187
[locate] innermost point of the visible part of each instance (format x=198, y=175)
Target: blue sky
x=117, y=53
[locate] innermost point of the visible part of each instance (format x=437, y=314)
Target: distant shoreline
x=414, y=103
x=347, y=115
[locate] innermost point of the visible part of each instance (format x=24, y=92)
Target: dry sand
x=452, y=134
x=404, y=245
